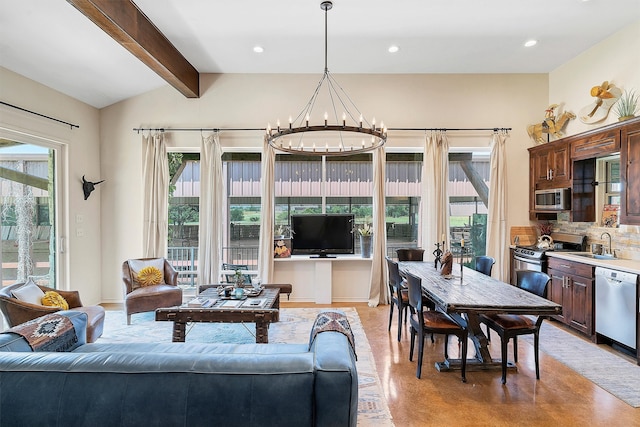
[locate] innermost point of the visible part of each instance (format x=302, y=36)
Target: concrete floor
x=560, y=398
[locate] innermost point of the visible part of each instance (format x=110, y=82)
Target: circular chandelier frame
x=282, y=138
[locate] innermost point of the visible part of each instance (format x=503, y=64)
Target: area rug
x=294, y=327
x=611, y=372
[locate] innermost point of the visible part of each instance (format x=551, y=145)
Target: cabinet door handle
x=551, y=174
x=565, y=266
x=548, y=170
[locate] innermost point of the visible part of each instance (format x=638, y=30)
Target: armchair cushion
x=29, y=292
x=140, y=271
x=54, y=299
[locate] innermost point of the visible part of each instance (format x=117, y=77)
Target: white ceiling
x=51, y=42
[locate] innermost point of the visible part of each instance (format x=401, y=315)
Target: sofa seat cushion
x=149, y=298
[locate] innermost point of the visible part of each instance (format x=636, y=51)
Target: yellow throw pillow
x=54, y=299
x=149, y=276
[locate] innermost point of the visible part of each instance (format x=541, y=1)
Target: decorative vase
x=365, y=246
x=623, y=118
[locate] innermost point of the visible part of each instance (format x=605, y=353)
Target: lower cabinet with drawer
x=572, y=286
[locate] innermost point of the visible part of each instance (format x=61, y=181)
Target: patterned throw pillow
x=54, y=299
x=150, y=276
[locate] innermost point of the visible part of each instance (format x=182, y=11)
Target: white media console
x=345, y=278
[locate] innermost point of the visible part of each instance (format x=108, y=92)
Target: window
x=27, y=214
x=608, y=190
x=468, y=198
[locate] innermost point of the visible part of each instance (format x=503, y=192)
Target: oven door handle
x=527, y=260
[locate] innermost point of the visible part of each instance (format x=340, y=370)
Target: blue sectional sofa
x=178, y=384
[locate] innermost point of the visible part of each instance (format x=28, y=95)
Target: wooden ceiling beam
x=123, y=21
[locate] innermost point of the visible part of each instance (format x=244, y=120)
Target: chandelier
x=353, y=134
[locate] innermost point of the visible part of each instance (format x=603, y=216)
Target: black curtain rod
x=197, y=129
x=450, y=129
x=71, y=125
x=264, y=129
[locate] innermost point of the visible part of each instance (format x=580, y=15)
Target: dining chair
x=512, y=325
x=431, y=322
x=410, y=254
x=484, y=264
x=399, y=295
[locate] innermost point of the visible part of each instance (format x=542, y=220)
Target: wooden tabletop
x=476, y=293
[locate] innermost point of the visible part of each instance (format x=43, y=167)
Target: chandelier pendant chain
x=320, y=135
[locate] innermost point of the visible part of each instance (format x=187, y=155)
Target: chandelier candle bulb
x=290, y=122
x=462, y=243
x=278, y=124
x=344, y=119
x=373, y=124
x=307, y=120
x=360, y=121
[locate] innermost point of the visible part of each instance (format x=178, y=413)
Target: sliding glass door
x=28, y=213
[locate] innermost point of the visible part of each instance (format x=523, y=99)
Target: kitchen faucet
x=609, y=250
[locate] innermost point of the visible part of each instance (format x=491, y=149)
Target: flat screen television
x=322, y=235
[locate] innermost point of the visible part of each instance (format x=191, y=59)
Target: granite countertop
x=628, y=265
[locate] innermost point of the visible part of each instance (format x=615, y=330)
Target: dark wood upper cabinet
x=571, y=163
x=630, y=173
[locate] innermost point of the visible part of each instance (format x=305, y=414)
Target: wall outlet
x=79, y=232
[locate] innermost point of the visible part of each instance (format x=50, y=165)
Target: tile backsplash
x=625, y=239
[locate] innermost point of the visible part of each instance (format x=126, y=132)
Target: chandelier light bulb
x=331, y=131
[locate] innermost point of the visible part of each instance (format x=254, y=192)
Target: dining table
x=465, y=295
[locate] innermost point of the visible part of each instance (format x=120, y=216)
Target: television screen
x=322, y=235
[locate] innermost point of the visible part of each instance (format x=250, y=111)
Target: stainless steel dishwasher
x=617, y=305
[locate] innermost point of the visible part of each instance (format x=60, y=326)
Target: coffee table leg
x=179, y=331
x=262, y=332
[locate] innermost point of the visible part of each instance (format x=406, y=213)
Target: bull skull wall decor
x=88, y=187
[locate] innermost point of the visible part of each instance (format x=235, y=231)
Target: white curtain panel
x=155, y=181
x=378, y=291
x=434, y=201
x=212, y=196
x=497, y=236
x=267, y=186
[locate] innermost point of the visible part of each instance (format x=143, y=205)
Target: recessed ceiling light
x=393, y=49
x=258, y=49
x=530, y=43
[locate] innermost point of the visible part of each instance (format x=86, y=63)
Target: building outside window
x=315, y=184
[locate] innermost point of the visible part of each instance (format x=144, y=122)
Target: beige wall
x=82, y=255
x=253, y=100
x=617, y=60
x=105, y=147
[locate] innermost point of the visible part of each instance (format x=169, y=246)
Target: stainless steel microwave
x=557, y=199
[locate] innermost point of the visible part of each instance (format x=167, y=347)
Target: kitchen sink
x=594, y=256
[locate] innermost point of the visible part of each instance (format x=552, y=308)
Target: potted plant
x=366, y=233
x=627, y=105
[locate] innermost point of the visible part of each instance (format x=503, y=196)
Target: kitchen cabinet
x=551, y=165
x=597, y=143
x=572, y=286
x=630, y=173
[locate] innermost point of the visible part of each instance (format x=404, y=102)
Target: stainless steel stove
x=534, y=258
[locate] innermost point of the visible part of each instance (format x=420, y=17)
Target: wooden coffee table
x=262, y=315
